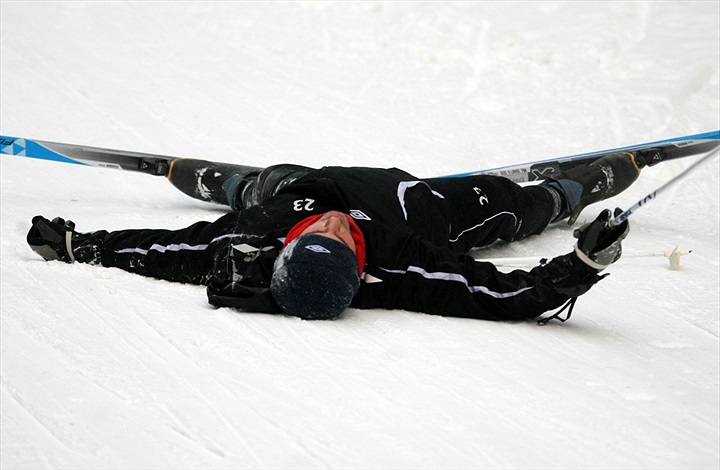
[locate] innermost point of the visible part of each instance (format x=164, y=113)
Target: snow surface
x=105, y=369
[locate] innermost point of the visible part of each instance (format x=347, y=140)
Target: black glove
x=235, y=295
x=52, y=239
x=57, y=239
x=599, y=244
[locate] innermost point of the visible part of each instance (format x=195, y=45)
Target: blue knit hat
x=315, y=278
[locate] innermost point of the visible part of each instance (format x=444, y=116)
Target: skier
x=313, y=242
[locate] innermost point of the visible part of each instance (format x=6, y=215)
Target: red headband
x=355, y=232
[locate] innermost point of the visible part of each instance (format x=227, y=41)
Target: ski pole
x=673, y=256
x=650, y=197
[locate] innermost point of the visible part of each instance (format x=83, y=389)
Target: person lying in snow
x=313, y=242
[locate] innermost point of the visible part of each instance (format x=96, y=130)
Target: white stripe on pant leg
x=454, y=240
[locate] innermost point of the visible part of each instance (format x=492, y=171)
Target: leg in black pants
x=482, y=209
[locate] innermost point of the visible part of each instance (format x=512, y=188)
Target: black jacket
x=417, y=233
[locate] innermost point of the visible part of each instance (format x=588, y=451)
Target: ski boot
x=587, y=184
x=57, y=240
x=210, y=181
x=237, y=186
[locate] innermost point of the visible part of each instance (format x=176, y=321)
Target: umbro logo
x=358, y=215
x=317, y=249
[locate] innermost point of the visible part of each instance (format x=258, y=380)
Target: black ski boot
x=57, y=240
x=210, y=181
x=271, y=180
x=584, y=185
x=237, y=186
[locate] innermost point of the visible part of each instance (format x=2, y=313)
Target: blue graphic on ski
x=84, y=155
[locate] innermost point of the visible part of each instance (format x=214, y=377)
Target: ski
x=158, y=165
x=647, y=154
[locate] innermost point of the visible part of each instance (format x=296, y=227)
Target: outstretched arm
x=434, y=280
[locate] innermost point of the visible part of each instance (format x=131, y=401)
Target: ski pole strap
x=68, y=245
x=653, y=195
x=569, y=306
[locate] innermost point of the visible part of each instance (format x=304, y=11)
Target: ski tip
x=21, y=147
